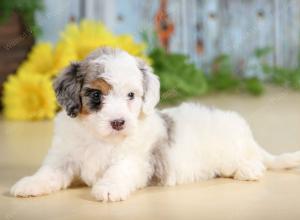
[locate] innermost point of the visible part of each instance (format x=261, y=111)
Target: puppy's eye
x=131, y=96
x=95, y=96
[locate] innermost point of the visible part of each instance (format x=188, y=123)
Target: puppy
x=112, y=138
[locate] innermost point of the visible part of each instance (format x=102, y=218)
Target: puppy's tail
x=282, y=161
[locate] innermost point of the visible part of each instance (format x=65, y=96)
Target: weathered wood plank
x=207, y=31
x=287, y=32
x=190, y=29
x=245, y=26
x=206, y=28
x=57, y=15
x=175, y=10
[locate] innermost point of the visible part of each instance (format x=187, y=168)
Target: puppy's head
x=108, y=91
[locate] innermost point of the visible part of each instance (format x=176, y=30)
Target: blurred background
x=197, y=47
x=201, y=49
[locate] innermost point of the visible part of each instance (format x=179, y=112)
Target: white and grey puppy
x=113, y=139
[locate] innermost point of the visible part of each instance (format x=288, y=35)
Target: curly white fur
x=176, y=145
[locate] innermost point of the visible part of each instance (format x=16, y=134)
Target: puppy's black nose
x=117, y=124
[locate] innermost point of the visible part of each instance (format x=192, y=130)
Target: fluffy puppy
x=112, y=138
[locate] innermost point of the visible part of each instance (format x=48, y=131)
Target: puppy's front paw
x=30, y=186
x=110, y=192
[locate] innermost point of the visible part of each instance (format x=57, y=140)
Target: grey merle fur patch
x=67, y=88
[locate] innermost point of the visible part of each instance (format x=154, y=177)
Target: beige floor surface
x=275, y=119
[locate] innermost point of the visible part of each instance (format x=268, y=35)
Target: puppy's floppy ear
x=151, y=87
x=67, y=87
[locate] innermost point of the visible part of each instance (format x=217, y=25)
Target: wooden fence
x=203, y=29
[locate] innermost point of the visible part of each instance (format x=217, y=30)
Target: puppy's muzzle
x=117, y=124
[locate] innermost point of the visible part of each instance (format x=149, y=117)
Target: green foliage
x=282, y=76
x=223, y=78
x=295, y=80
x=150, y=38
x=262, y=52
x=253, y=85
x=26, y=8
x=179, y=78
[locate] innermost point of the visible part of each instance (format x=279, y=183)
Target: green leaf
x=180, y=79
x=26, y=9
x=254, y=86
x=262, y=52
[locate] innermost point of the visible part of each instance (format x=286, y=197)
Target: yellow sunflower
x=28, y=97
x=45, y=60
x=89, y=35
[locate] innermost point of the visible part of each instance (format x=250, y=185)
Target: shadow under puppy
x=112, y=138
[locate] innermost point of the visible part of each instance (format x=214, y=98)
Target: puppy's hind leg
x=250, y=165
x=249, y=170
x=253, y=169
